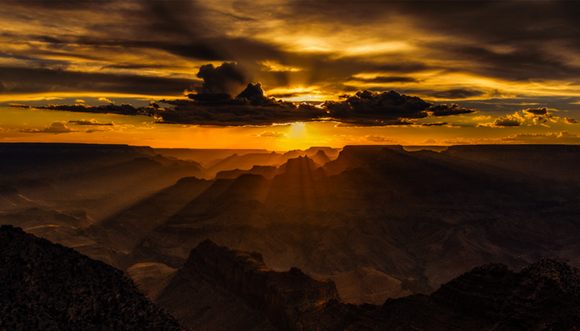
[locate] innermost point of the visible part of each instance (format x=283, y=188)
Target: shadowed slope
x=51, y=287
x=543, y=296
x=222, y=289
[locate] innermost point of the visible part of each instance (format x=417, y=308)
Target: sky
x=290, y=74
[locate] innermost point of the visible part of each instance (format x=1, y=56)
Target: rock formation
x=47, y=286
x=268, y=300
x=543, y=296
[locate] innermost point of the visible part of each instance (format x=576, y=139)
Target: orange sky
x=501, y=69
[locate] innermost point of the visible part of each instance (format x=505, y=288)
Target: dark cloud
x=90, y=122
x=506, y=122
x=254, y=94
x=364, y=122
x=488, y=39
x=435, y=124
x=486, y=34
x=537, y=111
x=541, y=115
x=386, y=107
x=61, y=5
x=215, y=99
x=198, y=50
x=570, y=120
x=457, y=94
x=221, y=83
x=495, y=22
x=238, y=113
x=213, y=106
x=54, y=128
x=387, y=79
x=327, y=69
x=224, y=79
x=29, y=80
x=123, y=109
x=445, y=110
x=253, y=107
x=518, y=65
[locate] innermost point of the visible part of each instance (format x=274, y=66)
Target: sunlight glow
x=298, y=131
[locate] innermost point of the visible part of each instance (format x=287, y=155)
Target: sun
x=298, y=131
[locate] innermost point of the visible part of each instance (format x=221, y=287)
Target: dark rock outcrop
x=45, y=286
x=290, y=300
x=267, y=171
x=543, y=296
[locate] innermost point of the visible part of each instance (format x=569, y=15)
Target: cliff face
x=543, y=296
x=290, y=300
x=50, y=287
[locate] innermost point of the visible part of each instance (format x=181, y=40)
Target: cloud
x=18, y=105
x=386, y=79
x=448, y=37
x=42, y=80
x=537, y=111
x=106, y=100
x=378, y=139
x=435, y=124
x=253, y=93
x=224, y=79
x=457, y=94
x=372, y=108
x=79, y=101
x=122, y=109
x=445, y=110
x=366, y=108
x=253, y=107
x=255, y=96
x=54, y=128
x=536, y=116
x=90, y=122
x=354, y=122
x=237, y=112
x=502, y=122
x=272, y=134
x=274, y=66
x=563, y=137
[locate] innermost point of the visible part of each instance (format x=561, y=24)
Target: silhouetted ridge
x=33, y=159
x=298, y=165
x=543, y=296
x=291, y=300
x=46, y=286
x=267, y=172
x=320, y=157
x=566, y=278
x=353, y=156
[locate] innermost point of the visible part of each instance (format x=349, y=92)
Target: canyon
x=361, y=231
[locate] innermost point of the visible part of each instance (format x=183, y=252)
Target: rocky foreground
x=543, y=296
x=45, y=286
